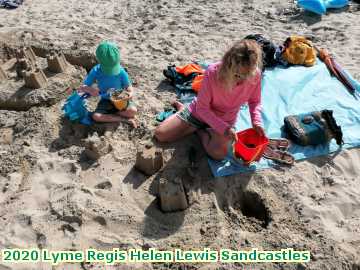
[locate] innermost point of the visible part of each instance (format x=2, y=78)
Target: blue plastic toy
x=162, y=116
x=75, y=109
x=320, y=6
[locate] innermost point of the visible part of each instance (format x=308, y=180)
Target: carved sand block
x=9, y=64
x=28, y=53
x=57, y=62
x=6, y=135
x=3, y=76
x=35, y=79
x=96, y=147
x=23, y=65
x=172, y=195
x=149, y=160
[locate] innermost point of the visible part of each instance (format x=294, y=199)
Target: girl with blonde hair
x=227, y=85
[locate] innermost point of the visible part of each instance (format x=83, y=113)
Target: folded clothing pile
x=10, y=4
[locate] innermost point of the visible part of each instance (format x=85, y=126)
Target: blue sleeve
x=125, y=80
x=91, y=77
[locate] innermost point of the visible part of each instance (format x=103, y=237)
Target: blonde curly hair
x=245, y=53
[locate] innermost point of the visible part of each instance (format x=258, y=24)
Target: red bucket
x=250, y=145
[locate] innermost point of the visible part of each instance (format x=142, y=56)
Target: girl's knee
x=217, y=155
x=160, y=134
x=218, y=152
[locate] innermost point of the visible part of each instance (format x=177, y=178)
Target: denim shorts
x=186, y=116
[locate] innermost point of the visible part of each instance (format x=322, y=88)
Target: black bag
x=313, y=128
x=268, y=48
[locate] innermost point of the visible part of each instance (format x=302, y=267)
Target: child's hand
x=95, y=92
x=129, y=92
x=130, y=96
x=89, y=90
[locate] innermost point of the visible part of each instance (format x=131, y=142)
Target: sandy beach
x=52, y=196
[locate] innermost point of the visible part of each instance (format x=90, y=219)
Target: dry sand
x=52, y=196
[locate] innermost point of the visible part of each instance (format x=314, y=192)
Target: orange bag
x=190, y=68
x=299, y=51
x=196, y=83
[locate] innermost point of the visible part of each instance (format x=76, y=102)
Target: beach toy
x=320, y=6
x=75, y=109
x=250, y=145
x=120, y=99
x=162, y=116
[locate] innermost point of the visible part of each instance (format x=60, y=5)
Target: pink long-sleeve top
x=219, y=107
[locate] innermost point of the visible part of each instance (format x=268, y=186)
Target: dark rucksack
x=268, y=48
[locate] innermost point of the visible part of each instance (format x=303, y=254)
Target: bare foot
x=178, y=105
x=132, y=122
x=68, y=91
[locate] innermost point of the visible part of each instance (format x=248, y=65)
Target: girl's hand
x=259, y=129
x=231, y=134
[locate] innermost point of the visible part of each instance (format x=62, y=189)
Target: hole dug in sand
x=250, y=204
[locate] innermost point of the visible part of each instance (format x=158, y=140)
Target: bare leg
x=178, y=105
x=173, y=129
x=121, y=116
x=129, y=113
x=107, y=118
x=216, y=145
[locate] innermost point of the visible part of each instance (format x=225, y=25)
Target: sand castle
x=27, y=79
x=96, y=147
x=57, y=62
x=149, y=160
x=172, y=195
x=35, y=79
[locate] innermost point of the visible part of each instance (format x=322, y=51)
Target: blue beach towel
x=295, y=90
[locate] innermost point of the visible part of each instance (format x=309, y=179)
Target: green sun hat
x=108, y=56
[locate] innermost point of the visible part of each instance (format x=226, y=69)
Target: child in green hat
x=109, y=74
